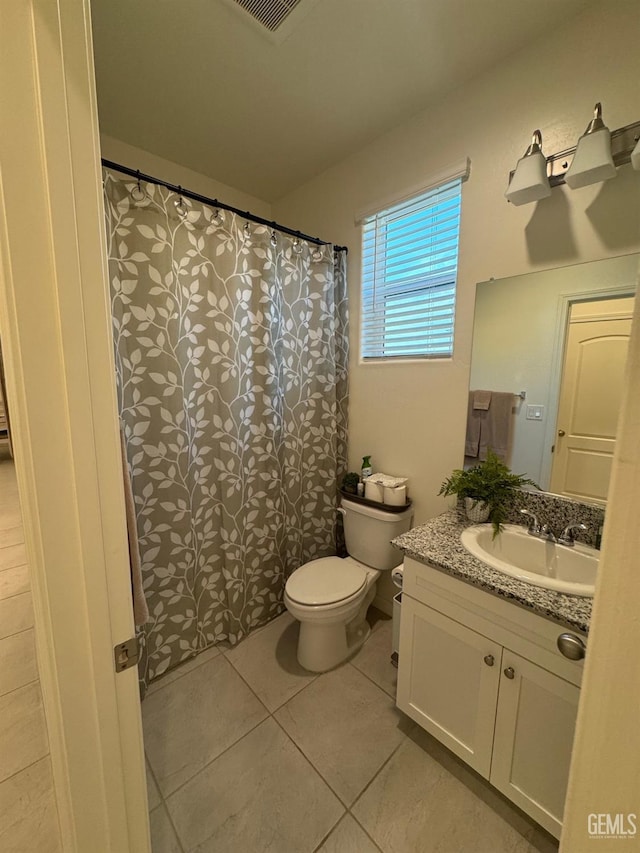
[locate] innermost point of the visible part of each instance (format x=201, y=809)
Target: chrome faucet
x=547, y=533
x=567, y=537
x=534, y=528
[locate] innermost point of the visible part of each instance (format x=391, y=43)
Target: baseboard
x=383, y=604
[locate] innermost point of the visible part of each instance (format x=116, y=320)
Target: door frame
x=563, y=312
x=55, y=326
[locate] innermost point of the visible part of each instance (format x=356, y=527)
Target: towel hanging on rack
x=489, y=428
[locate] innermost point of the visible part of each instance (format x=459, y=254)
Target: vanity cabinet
x=485, y=678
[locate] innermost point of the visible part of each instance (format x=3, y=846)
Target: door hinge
x=127, y=654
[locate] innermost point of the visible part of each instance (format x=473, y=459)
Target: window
x=409, y=270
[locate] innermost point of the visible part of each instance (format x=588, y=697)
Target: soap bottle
x=367, y=470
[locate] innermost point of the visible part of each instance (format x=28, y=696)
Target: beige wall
x=410, y=417
x=148, y=163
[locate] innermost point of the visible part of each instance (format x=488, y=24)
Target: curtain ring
x=247, y=230
x=273, y=239
x=297, y=246
x=141, y=194
x=317, y=254
x=179, y=204
x=218, y=217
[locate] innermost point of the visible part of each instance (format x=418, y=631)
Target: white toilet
x=330, y=596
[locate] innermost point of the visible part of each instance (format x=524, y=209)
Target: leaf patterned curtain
x=231, y=348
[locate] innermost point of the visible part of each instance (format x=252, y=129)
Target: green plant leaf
x=490, y=481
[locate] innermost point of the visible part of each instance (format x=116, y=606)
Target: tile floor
x=247, y=752
x=28, y=813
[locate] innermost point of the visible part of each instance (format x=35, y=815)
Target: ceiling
x=200, y=83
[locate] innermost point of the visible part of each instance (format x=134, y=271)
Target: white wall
x=410, y=417
x=173, y=173
x=516, y=346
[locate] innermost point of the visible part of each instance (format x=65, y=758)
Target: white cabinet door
x=448, y=678
x=535, y=724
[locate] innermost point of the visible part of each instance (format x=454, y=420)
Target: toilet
x=330, y=596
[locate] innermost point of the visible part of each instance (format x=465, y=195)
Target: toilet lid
x=325, y=581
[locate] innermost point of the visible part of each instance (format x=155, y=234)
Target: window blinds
x=409, y=268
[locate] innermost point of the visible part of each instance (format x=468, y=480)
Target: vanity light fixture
x=593, y=161
x=529, y=181
x=595, y=158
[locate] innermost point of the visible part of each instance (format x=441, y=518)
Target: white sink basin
x=517, y=554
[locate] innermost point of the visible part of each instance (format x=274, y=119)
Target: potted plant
x=350, y=483
x=487, y=489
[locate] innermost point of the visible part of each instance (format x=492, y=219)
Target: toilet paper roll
x=395, y=496
x=372, y=491
x=397, y=575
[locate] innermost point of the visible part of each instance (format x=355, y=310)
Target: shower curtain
x=231, y=348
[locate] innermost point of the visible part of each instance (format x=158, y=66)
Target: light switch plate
x=535, y=413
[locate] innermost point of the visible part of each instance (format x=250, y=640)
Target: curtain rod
x=213, y=202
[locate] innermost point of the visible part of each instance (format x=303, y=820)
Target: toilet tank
x=368, y=532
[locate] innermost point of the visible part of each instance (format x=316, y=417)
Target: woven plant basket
x=477, y=511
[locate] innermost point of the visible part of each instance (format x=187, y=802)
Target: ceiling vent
x=270, y=13
x=274, y=20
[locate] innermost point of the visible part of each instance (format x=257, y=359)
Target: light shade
x=635, y=157
x=530, y=181
x=592, y=162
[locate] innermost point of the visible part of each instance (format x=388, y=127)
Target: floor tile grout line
x=366, y=675
x=364, y=829
x=165, y=807
x=162, y=804
x=231, y=745
x=249, y=687
x=375, y=776
x=47, y=754
x=24, y=565
x=282, y=704
x=326, y=781
x=313, y=767
x=17, y=633
x=271, y=714
x=209, y=763
x=327, y=836
x=35, y=680
x=16, y=594
x=177, y=676
x=221, y=653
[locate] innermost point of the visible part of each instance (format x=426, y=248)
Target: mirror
x=555, y=335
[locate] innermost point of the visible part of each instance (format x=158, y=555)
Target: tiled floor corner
x=249, y=752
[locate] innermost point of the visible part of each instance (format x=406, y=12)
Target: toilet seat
x=329, y=580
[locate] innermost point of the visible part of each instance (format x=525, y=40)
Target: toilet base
x=324, y=645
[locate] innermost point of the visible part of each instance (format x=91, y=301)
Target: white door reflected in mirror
x=590, y=396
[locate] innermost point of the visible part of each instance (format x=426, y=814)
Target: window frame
x=428, y=283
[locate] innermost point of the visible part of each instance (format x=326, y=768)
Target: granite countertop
x=438, y=542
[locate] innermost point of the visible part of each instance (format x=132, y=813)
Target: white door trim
x=55, y=327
